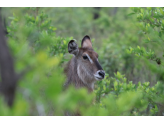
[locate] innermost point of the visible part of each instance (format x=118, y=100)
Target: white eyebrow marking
x=89, y=58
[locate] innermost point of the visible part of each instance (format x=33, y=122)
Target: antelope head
x=89, y=69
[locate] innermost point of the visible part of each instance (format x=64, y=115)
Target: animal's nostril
x=101, y=73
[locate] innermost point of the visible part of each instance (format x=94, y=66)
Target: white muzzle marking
x=97, y=75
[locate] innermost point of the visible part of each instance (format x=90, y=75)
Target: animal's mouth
x=98, y=77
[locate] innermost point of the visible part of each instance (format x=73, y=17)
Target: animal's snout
x=101, y=73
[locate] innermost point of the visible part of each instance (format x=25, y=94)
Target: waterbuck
x=83, y=69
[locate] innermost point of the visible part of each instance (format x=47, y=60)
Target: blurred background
x=111, y=30
x=38, y=38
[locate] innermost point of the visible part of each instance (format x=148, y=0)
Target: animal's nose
x=101, y=73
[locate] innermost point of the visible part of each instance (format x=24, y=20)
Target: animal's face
x=88, y=66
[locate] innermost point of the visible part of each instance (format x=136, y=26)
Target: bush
x=37, y=48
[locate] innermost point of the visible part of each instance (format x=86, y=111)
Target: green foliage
x=36, y=45
x=151, y=25
x=125, y=98
x=40, y=89
x=122, y=34
x=38, y=31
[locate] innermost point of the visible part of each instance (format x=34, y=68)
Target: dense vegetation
x=129, y=42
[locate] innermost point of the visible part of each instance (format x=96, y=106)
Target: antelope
x=84, y=69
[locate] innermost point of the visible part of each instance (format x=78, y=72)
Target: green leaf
x=160, y=34
x=131, y=14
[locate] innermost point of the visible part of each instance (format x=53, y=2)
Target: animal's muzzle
x=100, y=74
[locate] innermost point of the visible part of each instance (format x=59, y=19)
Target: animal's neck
x=85, y=77
x=77, y=76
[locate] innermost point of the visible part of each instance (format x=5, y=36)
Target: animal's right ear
x=73, y=47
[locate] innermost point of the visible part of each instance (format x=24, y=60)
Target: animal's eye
x=85, y=57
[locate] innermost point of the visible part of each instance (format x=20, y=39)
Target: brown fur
x=71, y=69
x=80, y=72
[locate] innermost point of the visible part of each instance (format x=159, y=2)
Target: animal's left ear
x=86, y=42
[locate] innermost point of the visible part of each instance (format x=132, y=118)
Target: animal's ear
x=73, y=47
x=86, y=42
